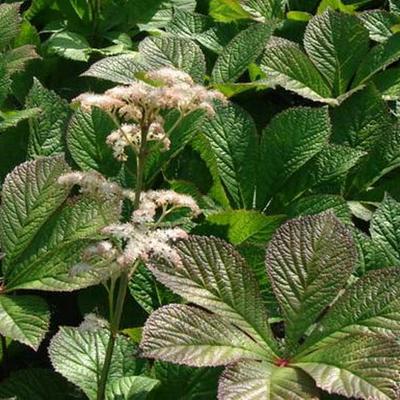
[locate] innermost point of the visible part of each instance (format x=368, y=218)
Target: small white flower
x=89, y=100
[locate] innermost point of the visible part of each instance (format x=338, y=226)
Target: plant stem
x=141, y=163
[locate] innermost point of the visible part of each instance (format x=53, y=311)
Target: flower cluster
x=138, y=106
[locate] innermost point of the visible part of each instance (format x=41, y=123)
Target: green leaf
x=79, y=355
x=36, y=384
x=17, y=58
x=58, y=246
x=378, y=58
x=388, y=83
x=5, y=81
x=187, y=335
x=263, y=9
x=47, y=130
x=240, y=52
x=213, y=275
x=378, y=23
x=86, y=139
x=292, y=138
x=227, y=11
x=260, y=380
x=182, y=382
x=24, y=318
x=10, y=22
x=131, y=388
x=187, y=25
x=232, y=136
x=286, y=65
x=118, y=69
x=69, y=45
x=245, y=226
x=336, y=43
x=394, y=6
x=30, y=196
x=358, y=366
x=218, y=36
x=309, y=261
x=170, y=51
x=10, y=119
x=385, y=231
x=360, y=120
x=369, y=306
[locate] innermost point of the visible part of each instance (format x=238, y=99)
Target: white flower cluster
x=167, y=89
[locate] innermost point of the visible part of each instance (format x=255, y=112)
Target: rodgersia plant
x=338, y=336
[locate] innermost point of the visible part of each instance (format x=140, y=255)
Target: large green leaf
x=364, y=367
x=267, y=9
x=5, y=81
x=232, y=136
x=17, y=58
x=69, y=45
x=240, y=52
x=336, y=43
x=309, y=261
x=388, y=83
x=292, y=138
x=378, y=58
x=79, y=355
x=30, y=196
x=187, y=335
x=118, y=69
x=10, y=23
x=171, y=51
x=213, y=275
x=378, y=23
x=86, y=140
x=131, y=388
x=371, y=305
x=36, y=384
x=261, y=380
x=360, y=120
x=188, y=25
x=47, y=130
x=24, y=318
x=288, y=66
x=227, y=11
x=10, y=119
x=385, y=232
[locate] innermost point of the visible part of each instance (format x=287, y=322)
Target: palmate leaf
x=214, y=276
x=171, y=51
x=188, y=335
x=358, y=366
x=10, y=22
x=47, y=130
x=79, y=355
x=385, y=232
x=247, y=380
x=291, y=139
x=336, y=43
x=24, y=318
x=240, y=52
x=232, y=136
x=309, y=260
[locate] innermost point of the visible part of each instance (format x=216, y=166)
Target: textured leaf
x=36, y=384
x=286, y=65
x=385, y=231
x=170, y=51
x=360, y=120
x=214, y=276
x=10, y=119
x=245, y=226
x=360, y=366
x=218, y=36
x=240, y=52
x=47, y=130
x=58, y=246
x=267, y=9
x=79, y=354
x=10, y=23
x=292, y=138
x=118, y=69
x=232, y=136
x=309, y=261
x=188, y=25
x=378, y=23
x=227, y=11
x=17, y=58
x=260, y=380
x=388, y=83
x=5, y=81
x=336, y=43
x=24, y=318
x=369, y=306
x=131, y=388
x=69, y=45
x=30, y=196
x=191, y=336
x=86, y=140
x=378, y=58
x=182, y=382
